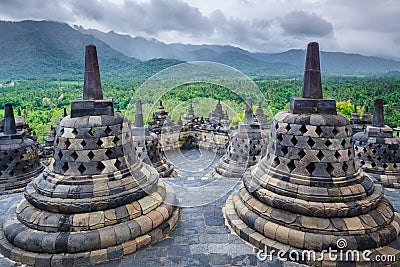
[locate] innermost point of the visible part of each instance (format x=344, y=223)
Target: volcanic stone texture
x=308, y=193
x=96, y=201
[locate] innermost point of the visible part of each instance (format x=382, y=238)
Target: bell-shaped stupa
x=96, y=201
x=19, y=156
x=307, y=194
x=261, y=118
x=147, y=146
x=190, y=115
x=378, y=150
x=246, y=147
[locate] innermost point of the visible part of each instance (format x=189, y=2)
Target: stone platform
x=201, y=237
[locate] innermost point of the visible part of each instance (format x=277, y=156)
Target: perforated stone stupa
x=147, y=146
x=378, y=150
x=246, y=147
x=19, y=156
x=307, y=193
x=96, y=201
x=261, y=118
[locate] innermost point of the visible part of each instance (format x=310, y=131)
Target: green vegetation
x=42, y=102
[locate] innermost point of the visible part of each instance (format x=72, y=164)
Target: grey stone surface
x=200, y=239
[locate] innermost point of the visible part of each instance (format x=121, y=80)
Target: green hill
x=52, y=50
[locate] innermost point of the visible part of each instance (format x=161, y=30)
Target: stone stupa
x=19, y=156
x=307, y=193
x=246, y=147
x=147, y=146
x=190, y=115
x=378, y=150
x=96, y=201
x=355, y=121
x=217, y=113
x=261, y=118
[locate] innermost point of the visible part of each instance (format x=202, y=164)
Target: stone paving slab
x=201, y=238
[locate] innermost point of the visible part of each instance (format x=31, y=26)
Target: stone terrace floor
x=201, y=237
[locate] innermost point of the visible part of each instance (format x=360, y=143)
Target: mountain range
x=46, y=49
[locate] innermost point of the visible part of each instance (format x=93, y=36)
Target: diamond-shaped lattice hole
x=291, y=165
x=328, y=143
x=384, y=152
x=310, y=142
x=90, y=155
x=302, y=154
x=100, y=166
x=91, y=132
x=343, y=143
x=318, y=130
x=75, y=131
x=74, y=155
x=395, y=165
x=11, y=173
x=276, y=126
x=109, y=153
x=303, y=129
x=369, y=145
x=284, y=150
x=116, y=139
x=117, y=164
x=329, y=168
x=335, y=131
x=83, y=143
x=373, y=164
x=81, y=168
x=337, y=155
x=65, y=167
x=108, y=130
x=310, y=168
x=369, y=157
x=362, y=162
x=379, y=146
x=67, y=143
x=60, y=154
x=385, y=165
x=320, y=155
x=279, y=137
x=364, y=150
x=349, y=152
x=294, y=140
x=99, y=142
x=288, y=127
x=276, y=161
x=379, y=158
x=345, y=167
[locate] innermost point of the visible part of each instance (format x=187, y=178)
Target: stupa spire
x=92, y=85
x=139, y=114
x=312, y=87
x=378, y=119
x=9, y=120
x=248, y=116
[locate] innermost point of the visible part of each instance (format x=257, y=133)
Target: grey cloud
x=35, y=9
x=303, y=24
x=149, y=17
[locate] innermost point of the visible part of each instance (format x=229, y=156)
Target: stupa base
x=18, y=184
x=267, y=247
x=153, y=223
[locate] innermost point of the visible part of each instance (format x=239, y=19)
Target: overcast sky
x=369, y=27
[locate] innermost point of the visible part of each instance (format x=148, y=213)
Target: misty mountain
x=289, y=62
x=45, y=49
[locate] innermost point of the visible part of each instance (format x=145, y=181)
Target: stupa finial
x=139, y=114
x=9, y=120
x=312, y=87
x=378, y=119
x=248, y=116
x=92, y=84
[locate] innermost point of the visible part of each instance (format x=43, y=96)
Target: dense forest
x=42, y=102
